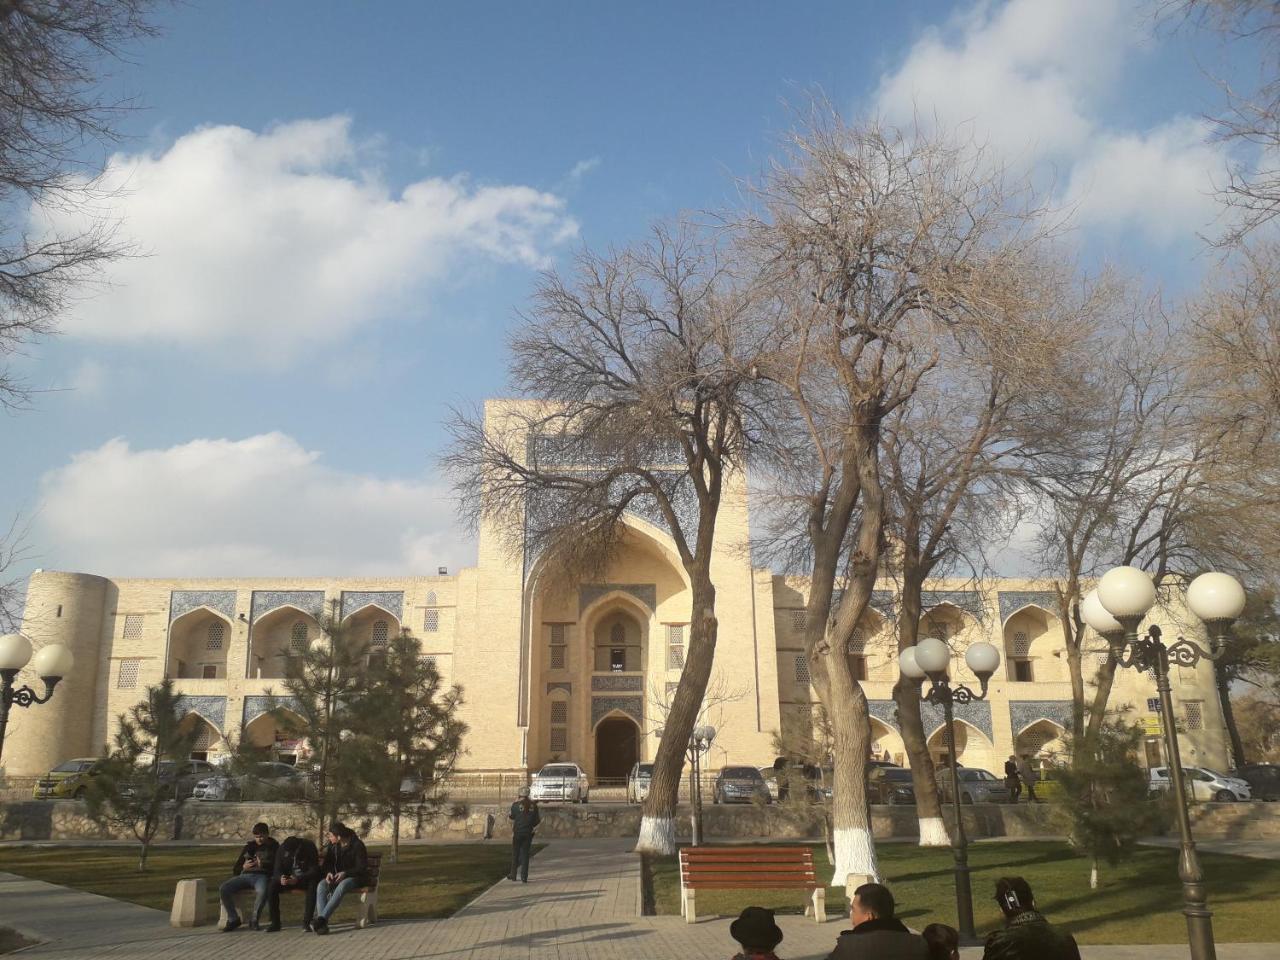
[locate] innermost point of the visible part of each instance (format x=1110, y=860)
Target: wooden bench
x=366, y=897
x=750, y=868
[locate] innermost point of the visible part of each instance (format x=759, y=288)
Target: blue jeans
x=257, y=882
x=327, y=898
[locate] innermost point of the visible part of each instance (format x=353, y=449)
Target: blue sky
x=341, y=206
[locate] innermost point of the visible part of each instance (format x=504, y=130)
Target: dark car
x=739, y=785
x=890, y=785
x=177, y=780
x=976, y=786
x=1263, y=779
x=812, y=781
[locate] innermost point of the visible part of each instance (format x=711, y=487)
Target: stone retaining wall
x=69, y=820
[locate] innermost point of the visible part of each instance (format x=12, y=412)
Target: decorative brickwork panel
x=1011, y=601
x=589, y=593
x=976, y=714
x=560, y=685
x=1193, y=711
x=431, y=620
x=559, y=740
x=802, y=669
x=600, y=706
x=619, y=684
x=886, y=711
x=216, y=634
x=132, y=626
x=1023, y=713
x=213, y=709
x=255, y=707
x=308, y=601
x=559, y=711
x=127, y=676
x=391, y=601
x=184, y=601
x=970, y=601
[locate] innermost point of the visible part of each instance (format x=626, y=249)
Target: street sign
x=1153, y=704
x=1151, y=725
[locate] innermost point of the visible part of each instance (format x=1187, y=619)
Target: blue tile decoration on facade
x=255, y=707
x=310, y=602
x=391, y=601
x=886, y=711
x=621, y=684
x=976, y=714
x=589, y=593
x=184, y=601
x=600, y=706
x=213, y=709
x=970, y=601
x=1023, y=713
x=1011, y=601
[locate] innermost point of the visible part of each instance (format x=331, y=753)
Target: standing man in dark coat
x=1011, y=779
x=877, y=934
x=524, y=819
x=252, y=872
x=1027, y=935
x=297, y=868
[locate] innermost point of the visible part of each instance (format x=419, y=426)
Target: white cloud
x=262, y=506
x=278, y=239
x=1031, y=80
x=582, y=168
x=1160, y=181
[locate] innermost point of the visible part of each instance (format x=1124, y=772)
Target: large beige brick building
x=554, y=668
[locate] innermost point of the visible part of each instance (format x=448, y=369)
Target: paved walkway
x=1258, y=849
x=581, y=903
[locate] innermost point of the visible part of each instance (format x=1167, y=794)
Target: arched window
x=380, y=632
x=298, y=638
x=217, y=632
x=431, y=598
x=617, y=633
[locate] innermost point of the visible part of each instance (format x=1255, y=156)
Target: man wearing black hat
x=877, y=934
x=757, y=934
x=1027, y=935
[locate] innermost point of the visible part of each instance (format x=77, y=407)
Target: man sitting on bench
x=297, y=868
x=345, y=868
x=252, y=872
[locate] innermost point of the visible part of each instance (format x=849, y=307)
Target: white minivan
x=1204, y=785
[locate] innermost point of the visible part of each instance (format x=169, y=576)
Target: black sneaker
x=273, y=928
x=320, y=926
x=306, y=927
x=231, y=925
x=253, y=925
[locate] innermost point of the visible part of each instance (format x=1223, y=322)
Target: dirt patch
x=11, y=940
x=648, y=903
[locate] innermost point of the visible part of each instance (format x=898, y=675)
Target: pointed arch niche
x=198, y=643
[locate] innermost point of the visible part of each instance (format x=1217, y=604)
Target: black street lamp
x=51, y=664
x=1115, y=609
x=931, y=657
x=699, y=743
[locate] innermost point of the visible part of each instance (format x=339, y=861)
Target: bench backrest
x=762, y=867
x=374, y=867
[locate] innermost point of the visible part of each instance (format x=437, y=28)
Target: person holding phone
x=345, y=867
x=297, y=868
x=252, y=871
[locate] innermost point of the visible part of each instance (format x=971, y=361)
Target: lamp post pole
x=52, y=663
x=699, y=742
x=1115, y=609
x=931, y=657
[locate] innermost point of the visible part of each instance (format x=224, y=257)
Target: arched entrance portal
x=617, y=748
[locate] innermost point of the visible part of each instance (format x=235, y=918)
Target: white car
x=1204, y=785
x=638, y=782
x=560, y=781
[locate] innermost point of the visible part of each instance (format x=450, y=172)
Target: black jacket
x=298, y=857
x=524, y=816
x=350, y=860
x=266, y=854
x=1011, y=771
x=1029, y=936
x=880, y=940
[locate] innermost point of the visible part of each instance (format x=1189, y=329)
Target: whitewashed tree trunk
x=657, y=836
x=933, y=832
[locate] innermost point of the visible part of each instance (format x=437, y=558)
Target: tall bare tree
x=639, y=366
x=953, y=459
x=889, y=256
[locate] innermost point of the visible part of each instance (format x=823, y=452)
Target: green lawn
x=11, y=940
x=1136, y=902
x=429, y=881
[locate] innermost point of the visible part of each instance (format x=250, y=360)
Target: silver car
x=565, y=782
x=976, y=786
x=638, y=782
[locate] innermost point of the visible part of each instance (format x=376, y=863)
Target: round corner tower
x=66, y=608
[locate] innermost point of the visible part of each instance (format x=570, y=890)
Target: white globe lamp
x=15, y=651
x=1127, y=593
x=907, y=664
x=1095, y=615
x=933, y=656
x=53, y=662
x=982, y=658
x=1215, y=597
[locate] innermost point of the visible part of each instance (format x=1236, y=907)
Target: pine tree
x=1106, y=794
x=132, y=789
x=406, y=729
x=325, y=684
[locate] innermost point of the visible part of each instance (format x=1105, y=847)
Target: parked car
x=414, y=787
x=739, y=785
x=1203, y=784
x=266, y=780
x=68, y=780
x=890, y=785
x=976, y=786
x=178, y=780
x=770, y=775
x=813, y=780
x=560, y=781
x=638, y=782
x=1263, y=780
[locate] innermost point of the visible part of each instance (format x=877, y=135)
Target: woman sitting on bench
x=345, y=868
